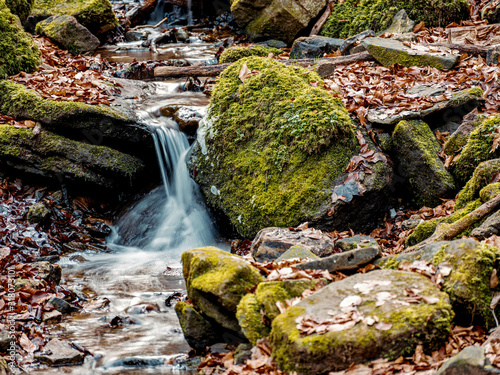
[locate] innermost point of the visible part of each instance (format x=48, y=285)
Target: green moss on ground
x=234, y=54
x=95, y=15
x=18, y=52
x=477, y=149
x=352, y=16
x=20, y=8
x=481, y=177
x=273, y=145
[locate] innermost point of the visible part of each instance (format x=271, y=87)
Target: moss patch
x=273, y=145
x=234, y=54
x=481, y=177
x=489, y=192
x=20, y=8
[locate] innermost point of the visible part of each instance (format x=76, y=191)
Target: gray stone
x=273, y=43
x=348, y=260
x=459, y=137
x=404, y=37
x=242, y=353
x=62, y=306
x=297, y=252
x=401, y=23
x=492, y=56
x=271, y=243
x=48, y=271
x=314, y=46
x=59, y=353
x=490, y=227
x=199, y=332
x=357, y=241
x=38, y=213
x=345, y=48
x=389, y=52
x=135, y=36
x=69, y=34
x=470, y=361
x=51, y=317
x=412, y=222
x=406, y=325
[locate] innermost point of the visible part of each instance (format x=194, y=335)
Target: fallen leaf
x=383, y=326
x=351, y=301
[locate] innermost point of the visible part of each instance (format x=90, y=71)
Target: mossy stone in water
x=272, y=146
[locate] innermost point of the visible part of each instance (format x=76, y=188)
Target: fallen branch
x=445, y=232
x=324, y=66
x=470, y=49
x=321, y=21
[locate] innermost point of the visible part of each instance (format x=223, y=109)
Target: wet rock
x=458, y=138
x=242, y=353
x=314, y=46
x=470, y=361
x=297, y=252
x=75, y=246
x=199, y=332
x=182, y=35
x=187, y=118
x=348, y=260
x=417, y=151
x=356, y=242
x=52, y=317
x=5, y=340
x=38, y=213
x=401, y=326
x=401, y=23
x=345, y=48
x=59, y=353
x=490, y=227
x=216, y=281
x=274, y=19
x=62, y=306
x=271, y=243
x=468, y=284
x=143, y=308
x=68, y=33
x=48, y=271
x=389, y=52
x=135, y=36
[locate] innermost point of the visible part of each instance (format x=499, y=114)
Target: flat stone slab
x=379, y=295
x=59, y=353
x=348, y=260
x=389, y=52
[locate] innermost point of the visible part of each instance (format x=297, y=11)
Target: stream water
x=129, y=285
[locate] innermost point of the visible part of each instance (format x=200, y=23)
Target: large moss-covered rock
x=275, y=19
x=272, y=147
x=20, y=8
x=216, y=281
x=417, y=150
x=197, y=330
x=18, y=51
x=468, y=284
x=352, y=16
x=481, y=178
x=79, y=164
x=98, y=124
x=408, y=325
x=256, y=311
x=95, y=15
x=235, y=53
x=68, y=33
x=477, y=149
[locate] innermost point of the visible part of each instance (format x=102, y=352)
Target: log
x=324, y=67
x=470, y=49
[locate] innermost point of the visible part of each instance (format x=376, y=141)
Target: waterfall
x=189, y=13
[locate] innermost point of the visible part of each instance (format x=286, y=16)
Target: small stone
x=348, y=260
x=272, y=43
x=48, y=271
x=401, y=23
x=38, y=213
x=314, y=46
x=356, y=242
x=59, y=353
x=51, y=317
x=5, y=340
x=242, y=353
x=134, y=36
x=62, y=306
x=412, y=222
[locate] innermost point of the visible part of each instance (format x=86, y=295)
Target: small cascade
x=158, y=13
x=189, y=13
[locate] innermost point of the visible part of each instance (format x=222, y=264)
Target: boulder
x=401, y=23
x=275, y=19
x=468, y=284
x=417, y=151
x=297, y=252
x=477, y=149
x=18, y=51
x=96, y=15
x=216, y=281
x=490, y=227
x=198, y=332
x=351, y=17
x=80, y=165
x=481, y=179
x=271, y=243
x=389, y=52
x=235, y=53
x=68, y=33
x=401, y=326
x=59, y=353
x=273, y=148
x=312, y=47
x=346, y=261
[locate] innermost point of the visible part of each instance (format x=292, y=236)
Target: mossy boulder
x=97, y=124
x=275, y=19
x=95, y=15
x=20, y=8
x=272, y=147
x=408, y=325
x=78, y=164
x=352, y=16
x=489, y=192
x=67, y=32
x=256, y=311
x=38, y=213
x=481, y=178
x=477, y=149
x=459, y=137
x=417, y=151
x=468, y=284
x=216, y=281
x=235, y=53
x=18, y=51
x=197, y=330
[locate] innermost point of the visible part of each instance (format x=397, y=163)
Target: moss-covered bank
x=20, y=8
x=234, y=54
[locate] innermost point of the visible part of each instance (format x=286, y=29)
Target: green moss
x=477, y=148
x=274, y=145
x=250, y=318
x=234, y=54
x=95, y=15
x=390, y=263
x=18, y=51
x=481, y=177
x=489, y=192
x=352, y=16
x=20, y=8
x=426, y=229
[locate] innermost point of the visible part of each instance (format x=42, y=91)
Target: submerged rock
x=378, y=294
x=69, y=34
x=314, y=46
